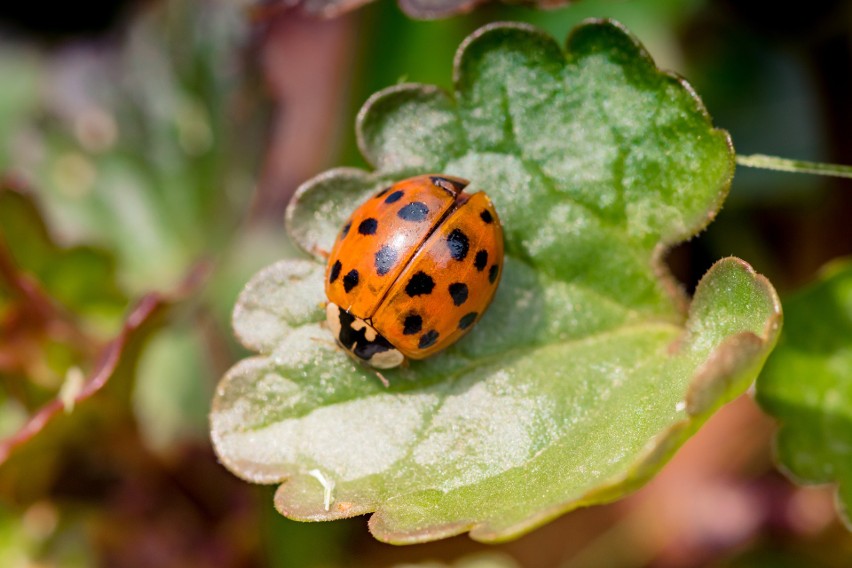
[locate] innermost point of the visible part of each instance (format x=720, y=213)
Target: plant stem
x=796, y=166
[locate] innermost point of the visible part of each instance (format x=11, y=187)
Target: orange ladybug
x=413, y=269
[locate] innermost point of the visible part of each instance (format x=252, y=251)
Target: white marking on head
x=386, y=359
x=381, y=360
x=369, y=332
x=332, y=316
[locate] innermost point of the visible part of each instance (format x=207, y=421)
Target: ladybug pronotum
x=412, y=270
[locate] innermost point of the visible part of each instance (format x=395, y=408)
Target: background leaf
x=148, y=144
x=57, y=303
x=807, y=385
x=420, y=9
x=80, y=278
x=584, y=376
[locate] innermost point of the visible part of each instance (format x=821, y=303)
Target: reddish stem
x=107, y=361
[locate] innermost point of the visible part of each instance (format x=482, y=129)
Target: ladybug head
x=361, y=340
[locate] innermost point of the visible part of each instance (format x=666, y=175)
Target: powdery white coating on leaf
x=276, y=299
x=564, y=219
x=430, y=122
x=340, y=439
x=284, y=390
x=323, y=204
x=250, y=384
x=296, y=349
x=484, y=427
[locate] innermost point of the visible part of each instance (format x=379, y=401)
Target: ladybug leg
x=321, y=252
x=382, y=378
x=325, y=342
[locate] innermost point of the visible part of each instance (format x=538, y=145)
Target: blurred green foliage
x=807, y=385
x=147, y=146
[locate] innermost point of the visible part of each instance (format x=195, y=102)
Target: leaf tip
x=373, y=106
x=482, y=33
x=381, y=527
x=746, y=340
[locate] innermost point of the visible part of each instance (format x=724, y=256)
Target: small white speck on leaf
x=327, y=487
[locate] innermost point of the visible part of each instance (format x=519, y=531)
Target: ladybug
x=413, y=269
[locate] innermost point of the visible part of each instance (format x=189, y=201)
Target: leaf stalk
x=796, y=166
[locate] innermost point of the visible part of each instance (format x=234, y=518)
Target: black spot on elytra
x=393, y=197
x=335, y=271
x=420, y=284
x=459, y=244
x=428, y=339
x=458, y=291
x=345, y=230
x=492, y=273
x=385, y=259
x=413, y=324
x=368, y=226
x=356, y=341
x=415, y=211
x=486, y=216
x=467, y=320
x=350, y=280
x=384, y=191
x=449, y=185
x=481, y=260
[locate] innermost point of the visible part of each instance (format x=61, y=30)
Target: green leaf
x=807, y=385
x=587, y=372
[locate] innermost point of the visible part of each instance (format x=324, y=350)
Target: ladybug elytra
x=413, y=270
